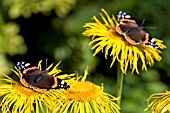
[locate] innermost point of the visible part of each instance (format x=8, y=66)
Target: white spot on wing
x=152, y=40
x=62, y=82
x=127, y=16
x=120, y=12
x=27, y=64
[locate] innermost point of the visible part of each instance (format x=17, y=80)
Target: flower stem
x=119, y=84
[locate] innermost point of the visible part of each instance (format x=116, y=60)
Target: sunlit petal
x=159, y=102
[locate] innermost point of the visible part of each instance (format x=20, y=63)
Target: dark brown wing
x=32, y=76
x=132, y=31
x=46, y=82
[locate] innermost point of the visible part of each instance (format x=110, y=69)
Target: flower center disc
x=83, y=91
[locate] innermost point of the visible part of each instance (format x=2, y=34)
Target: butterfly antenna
x=150, y=27
x=143, y=22
x=46, y=61
x=146, y=27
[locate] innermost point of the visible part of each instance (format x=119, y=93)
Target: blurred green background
x=33, y=30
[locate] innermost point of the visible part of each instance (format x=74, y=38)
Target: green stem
x=119, y=83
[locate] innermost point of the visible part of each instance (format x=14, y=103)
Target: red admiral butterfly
x=38, y=80
x=133, y=33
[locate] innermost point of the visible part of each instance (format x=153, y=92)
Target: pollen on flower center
x=83, y=91
x=20, y=89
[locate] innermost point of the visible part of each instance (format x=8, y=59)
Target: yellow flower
x=106, y=38
x=160, y=102
x=86, y=97
x=19, y=99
